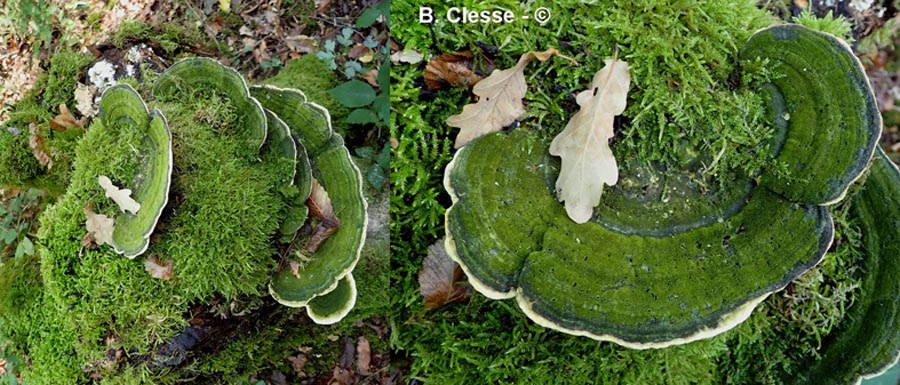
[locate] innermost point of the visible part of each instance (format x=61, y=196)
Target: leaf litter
x=441, y=280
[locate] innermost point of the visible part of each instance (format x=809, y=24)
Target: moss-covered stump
x=669, y=256
x=81, y=312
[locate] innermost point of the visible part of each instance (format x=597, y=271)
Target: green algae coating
x=334, y=305
x=334, y=169
x=870, y=331
x=645, y=289
x=122, y=105
x=200, y=73
x=833, y=123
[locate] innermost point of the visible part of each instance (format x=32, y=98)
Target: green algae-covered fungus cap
x=325, y=279
x=120, y=105
x=204, y=73
x=665, y=260
x=831, y=122
x=867, y=340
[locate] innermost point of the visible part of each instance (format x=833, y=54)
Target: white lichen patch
x=134, y=54
x=102, y=75
x=861, y=5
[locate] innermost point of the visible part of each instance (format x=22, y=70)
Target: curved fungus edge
x=344, y=310
x=859, y=67
x=151, y=116
x=365, y=207
x=234, y=72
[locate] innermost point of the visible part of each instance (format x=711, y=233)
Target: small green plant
x=376, y=173
x=369, y=106
x=13, y=363
x=18, y=219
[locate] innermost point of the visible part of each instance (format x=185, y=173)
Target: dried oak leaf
x=408, y=56
x=500, y=100
x=358, y=51
x=84, y=99
x=36, y=142
x=158, y=268
x=319, y=205
x=441, y=279
x=587, y=162
x=454, y=69
x=122, y=197
x=65, y=120
x=99, y=226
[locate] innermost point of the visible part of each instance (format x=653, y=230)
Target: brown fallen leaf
x=88, y=241
x=322, y=6
x=324, y=230
x=358, y=51
x=297, y=364
x=363, y=356
x=65, y=120
x=500, y=100
x=341, y=376
x=158, y=268
x=319, y=205
x=441, y=279
x=99, y=226
x=587, y=161
x=453, y=69
x=36, y=142
x=301, y=43
x=371, y=77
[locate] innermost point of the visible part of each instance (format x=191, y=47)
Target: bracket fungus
x=324, y=285
x=121, y=105
x=206, y=73
x=663, y=261
x=869, y=333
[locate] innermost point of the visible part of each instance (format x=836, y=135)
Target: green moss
x=312, y=76
x=66, y=68
x=682, y=56
x=493, y=340
x=213, y=251
x=837, y=26
x=228, y=205
x=172, y=37
x=18, y=166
